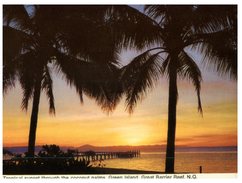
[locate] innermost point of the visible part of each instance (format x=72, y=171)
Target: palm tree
x=208, y=30
x=71, y=40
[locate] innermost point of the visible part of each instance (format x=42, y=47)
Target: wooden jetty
x=95, y=156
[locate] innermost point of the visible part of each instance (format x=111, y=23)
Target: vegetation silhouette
x=168, y=33
x=50, y=160
x=70, y=40
x=7, y=152
x=51, y=151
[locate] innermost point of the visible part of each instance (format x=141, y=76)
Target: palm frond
x=220, y=51
x=27, y=69
x=188, y=69
x=139, y=31
x=139, y=60
x=14, y=44
x=72, y=70
x=28, y=89
x=108, y=91
x=9, y=78
x=164, y=14
x=98, y=81
x=16, y=16
x=79, y=31
x=173, y=19
x=155, y=11
x=213, y=18
x=165, y=66
x=138, y=76
x=95, y=44
x=48, y=87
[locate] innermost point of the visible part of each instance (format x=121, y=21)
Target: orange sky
x=76, y=124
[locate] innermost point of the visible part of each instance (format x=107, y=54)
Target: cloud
x=229, y=139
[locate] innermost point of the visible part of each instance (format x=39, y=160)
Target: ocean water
x=211, y=162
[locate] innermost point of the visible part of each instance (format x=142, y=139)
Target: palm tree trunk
x=171, y=134
x=34, y=118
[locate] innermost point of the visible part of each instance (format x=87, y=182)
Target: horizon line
x=183, y=146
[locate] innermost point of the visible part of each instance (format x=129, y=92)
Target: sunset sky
x=75, y=124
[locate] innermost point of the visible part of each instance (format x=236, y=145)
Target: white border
x=120, y=2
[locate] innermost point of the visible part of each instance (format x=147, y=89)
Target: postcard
x=120, y=92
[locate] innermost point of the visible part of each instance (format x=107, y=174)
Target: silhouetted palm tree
x=71, y=40
x=208, y=30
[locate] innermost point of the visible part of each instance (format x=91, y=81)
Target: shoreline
x=123, y=171
x=91, y=171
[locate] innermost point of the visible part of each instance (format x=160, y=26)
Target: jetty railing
x=94, y=156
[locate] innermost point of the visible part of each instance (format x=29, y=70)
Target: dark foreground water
x=211, y=162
